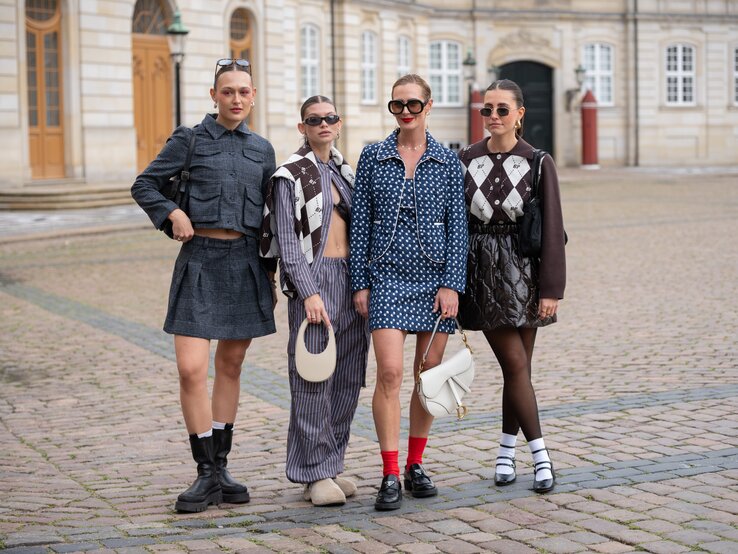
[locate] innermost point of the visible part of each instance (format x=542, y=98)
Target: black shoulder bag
x=178, y=188
x=530, y=234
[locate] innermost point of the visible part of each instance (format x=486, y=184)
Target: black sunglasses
x=502, y=111
x=414, y=106
x=315, y=120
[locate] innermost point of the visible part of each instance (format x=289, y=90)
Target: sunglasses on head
x=315, y=120
x=243, y=65
x=502, y=111
x=413, y=106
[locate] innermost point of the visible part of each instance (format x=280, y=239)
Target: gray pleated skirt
x=220, y=291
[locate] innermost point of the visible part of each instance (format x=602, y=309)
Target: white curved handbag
x=315, y=367
x=441, y=389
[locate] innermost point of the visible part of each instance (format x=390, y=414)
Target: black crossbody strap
x=184, y=175
x=536, y=171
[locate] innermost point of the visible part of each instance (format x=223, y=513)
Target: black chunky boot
x=233, y=491
x=206, y=488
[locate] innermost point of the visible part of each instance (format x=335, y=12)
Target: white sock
x=218, y=425
x=507, y=450
x=208, y=433
x=540, y=454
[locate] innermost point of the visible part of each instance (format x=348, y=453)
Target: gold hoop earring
x=518, y=125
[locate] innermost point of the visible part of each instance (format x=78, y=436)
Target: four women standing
x=405, y=262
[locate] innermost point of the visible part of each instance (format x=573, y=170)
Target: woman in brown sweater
x=508, y=295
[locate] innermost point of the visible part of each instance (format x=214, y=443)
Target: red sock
x=390, y=461
x=415, y=448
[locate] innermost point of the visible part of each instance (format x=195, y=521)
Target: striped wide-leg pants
x=321, y=413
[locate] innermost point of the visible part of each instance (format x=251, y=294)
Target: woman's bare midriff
x=337, y=245
x=225, y=234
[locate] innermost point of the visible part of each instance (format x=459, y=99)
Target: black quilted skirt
x=501, y=285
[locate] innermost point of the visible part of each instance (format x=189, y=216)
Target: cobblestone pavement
x=637, y=385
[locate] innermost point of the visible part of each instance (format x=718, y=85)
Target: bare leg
x=388, y=345
x=229, y=356
x=420, y=420
x=193, y=356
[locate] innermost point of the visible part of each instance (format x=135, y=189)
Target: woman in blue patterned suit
x=408, y=264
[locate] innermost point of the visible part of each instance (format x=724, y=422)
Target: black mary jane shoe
x=543, y=485
x=418, y=483
x=502, y=479
x=389, y=496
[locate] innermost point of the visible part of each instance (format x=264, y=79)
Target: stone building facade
x=87, y=94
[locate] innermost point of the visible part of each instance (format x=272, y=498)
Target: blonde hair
x=414, y=79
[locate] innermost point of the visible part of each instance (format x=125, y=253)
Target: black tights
x=513, y=347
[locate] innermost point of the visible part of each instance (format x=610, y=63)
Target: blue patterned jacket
x=439, y=205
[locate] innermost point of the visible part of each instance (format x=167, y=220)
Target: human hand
x=361, y=302
x=181, y=226
x=315, y=310
x=447, y=301
x=547, y=307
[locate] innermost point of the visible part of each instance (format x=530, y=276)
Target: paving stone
x=558, y=545
x=666, y=547
x=720, y=547
x=504, y=546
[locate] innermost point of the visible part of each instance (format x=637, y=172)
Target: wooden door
x=44, y=80
x=535, y=80
x=152, y=96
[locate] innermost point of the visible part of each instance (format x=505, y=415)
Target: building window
x=404, y=60
x=735, y=76
x=241, y=35
x=680, y=75
x=445, y=72
x=309, y=61
x=598, y=63
x=368, y=67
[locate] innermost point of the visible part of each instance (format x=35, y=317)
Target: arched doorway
x=44, y=77
x=152, y=80
x=241, y=44
x=536, y=81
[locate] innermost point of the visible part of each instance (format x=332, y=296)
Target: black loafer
x=389, y=496
x=418, y=482
x=502, y=479
x=543, y=485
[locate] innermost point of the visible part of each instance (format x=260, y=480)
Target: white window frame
x=368, y=67
x=680, y=62
x=404, y=56
x=309, y=61
x=598, y=60
x=735, y=75
x=446, y=73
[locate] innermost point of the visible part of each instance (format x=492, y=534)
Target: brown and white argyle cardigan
x=301, y=169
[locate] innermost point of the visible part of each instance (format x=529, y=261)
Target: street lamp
x=580, y=72
x=176, y=34
x=470, y=65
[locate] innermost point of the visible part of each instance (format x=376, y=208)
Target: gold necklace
x=417, y=147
